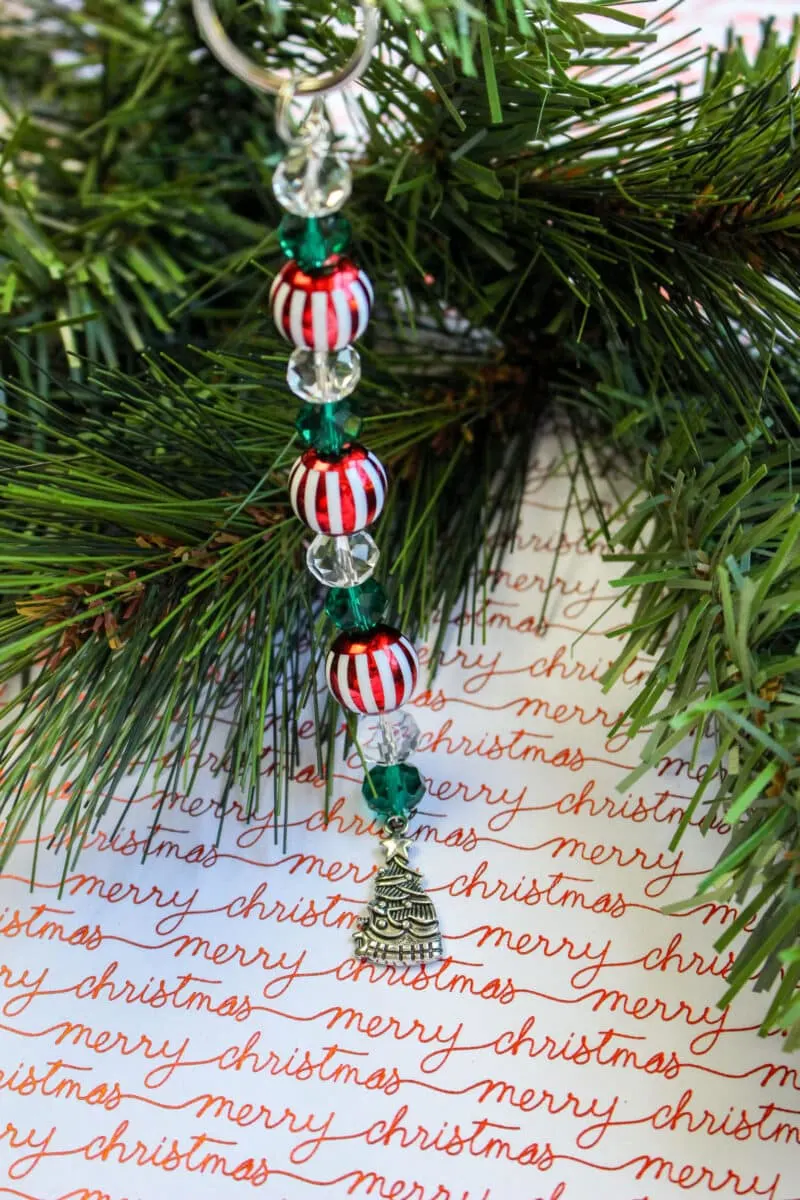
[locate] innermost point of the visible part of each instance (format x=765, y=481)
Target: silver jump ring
x=397, y=825
x=285, y=87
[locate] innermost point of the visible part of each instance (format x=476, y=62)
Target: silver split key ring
x=284, y=86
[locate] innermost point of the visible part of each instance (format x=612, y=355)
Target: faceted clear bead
x=309, y=183
x=390, y=738
x=322, y=378
x=342, y=561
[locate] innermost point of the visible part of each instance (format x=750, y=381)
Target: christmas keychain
x=321, y=304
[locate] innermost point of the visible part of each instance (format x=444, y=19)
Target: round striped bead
x=372, y=672
x=338, y=495
x=325, y=310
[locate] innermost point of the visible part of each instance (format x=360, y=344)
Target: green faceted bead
x=328, y=427
x=394, y=790
x=356, y=607
x=311, y=242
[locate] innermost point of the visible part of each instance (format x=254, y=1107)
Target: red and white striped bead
x=322, y=311
x=338, y=495
x=372, y=672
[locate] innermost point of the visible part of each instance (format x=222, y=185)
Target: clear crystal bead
x=389, y=738
x=342, y=561
x=310, y=181
x=321, y=378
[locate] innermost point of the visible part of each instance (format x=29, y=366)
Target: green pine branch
x=712, y=573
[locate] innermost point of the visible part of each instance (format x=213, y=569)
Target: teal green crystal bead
x=328, y=427
x=356, y=607
x=394, y=790
x=311, y=241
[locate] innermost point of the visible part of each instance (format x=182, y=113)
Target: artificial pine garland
x=613, y=245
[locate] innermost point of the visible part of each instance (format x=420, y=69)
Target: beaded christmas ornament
x=321, y=302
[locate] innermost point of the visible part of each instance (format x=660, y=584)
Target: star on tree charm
x=396, y=845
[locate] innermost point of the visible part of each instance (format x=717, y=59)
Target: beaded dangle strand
x=321, y=302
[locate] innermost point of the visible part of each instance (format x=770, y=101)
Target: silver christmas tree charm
x=400, y=925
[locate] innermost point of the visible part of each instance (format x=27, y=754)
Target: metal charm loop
x=286, y=129
x=284, y=86
x=397, y=825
